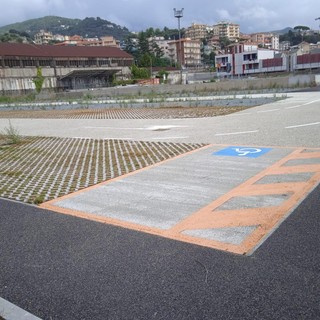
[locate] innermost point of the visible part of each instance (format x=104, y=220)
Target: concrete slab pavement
x=294, y=122
x=224, y=197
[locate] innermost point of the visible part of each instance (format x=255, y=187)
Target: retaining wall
x=276, y=83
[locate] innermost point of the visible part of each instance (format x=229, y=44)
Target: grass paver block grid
x=40, y=169
x=123, y=113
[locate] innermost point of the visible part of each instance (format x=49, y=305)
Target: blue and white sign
x=249, y=152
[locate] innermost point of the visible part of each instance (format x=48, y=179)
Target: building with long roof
x=63, y=67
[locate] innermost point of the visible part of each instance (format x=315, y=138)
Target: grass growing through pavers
x=124, y=113
x=39, y=169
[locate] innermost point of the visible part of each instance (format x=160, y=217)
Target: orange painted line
x=297, y=169
x=308, y=155
x=271, y=188
x=225, y=218
x=210, y=217
x=238, y=190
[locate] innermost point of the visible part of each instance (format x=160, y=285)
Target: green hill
x=88, y=27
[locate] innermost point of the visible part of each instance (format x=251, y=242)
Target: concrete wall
x=21, y=79
x=9, y=80
x=216, y=87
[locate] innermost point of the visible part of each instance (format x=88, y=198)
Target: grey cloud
x=137, y=15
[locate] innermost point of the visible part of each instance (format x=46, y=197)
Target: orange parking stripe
x=211, y=217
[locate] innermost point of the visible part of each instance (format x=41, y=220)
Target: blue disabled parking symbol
x=236, y=151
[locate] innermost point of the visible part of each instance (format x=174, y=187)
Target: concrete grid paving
x=174, y=112
x=41, y=169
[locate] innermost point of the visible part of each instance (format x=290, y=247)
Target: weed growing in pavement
x=11, y=134
x=39, y=199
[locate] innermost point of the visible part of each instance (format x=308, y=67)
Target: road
x=60, y=266
x=294, y=121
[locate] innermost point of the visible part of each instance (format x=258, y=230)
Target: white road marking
x=271, y=110
x=303, y=125
x=231, y=133
x=108, y=138
x=165, y=138
x=294, y=107
x=115, y=128
x=117, y=138
x=85, y=138
x=302, y=105
x=238, y=114
x=151, y=128
x=163, y=127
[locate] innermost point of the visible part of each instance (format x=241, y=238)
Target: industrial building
x=62, y=67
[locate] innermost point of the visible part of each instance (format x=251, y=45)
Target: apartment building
x=43, y=37
x=244, y=59
x=267, y=40
x=227, y=30
x=198, y=31
x=109, y=41
x=185, y=52
x=106, y=41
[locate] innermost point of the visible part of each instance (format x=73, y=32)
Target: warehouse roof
x=33, y=50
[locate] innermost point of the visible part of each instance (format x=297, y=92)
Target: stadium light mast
x=179, y=14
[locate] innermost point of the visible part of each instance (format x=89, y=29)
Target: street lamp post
x=317, y=19
x=179, y=14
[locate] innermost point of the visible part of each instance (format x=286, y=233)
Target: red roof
x=33, y=50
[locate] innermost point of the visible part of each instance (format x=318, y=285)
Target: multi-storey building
x=43, y=37
x=106, y=41
x=186, y=52
x=284, y=45
x=243, y=59
x=198, y=31
x=227, y=30
x=109, y=41
x=268, y=40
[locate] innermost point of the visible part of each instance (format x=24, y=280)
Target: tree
x=139, y=73
x=297, y=37
x=38, y=80
x=131, y=45
x=156, y=50
x=150, y=32
x=146, y=60
x=301, y=28
x=143, y=43
x=224, y=42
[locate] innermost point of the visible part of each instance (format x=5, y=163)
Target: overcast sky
x=137, y=15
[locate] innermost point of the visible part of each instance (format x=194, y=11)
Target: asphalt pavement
x=61, y=267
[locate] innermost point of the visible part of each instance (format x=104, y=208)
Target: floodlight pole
x=317, y=19
x=179, y=14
